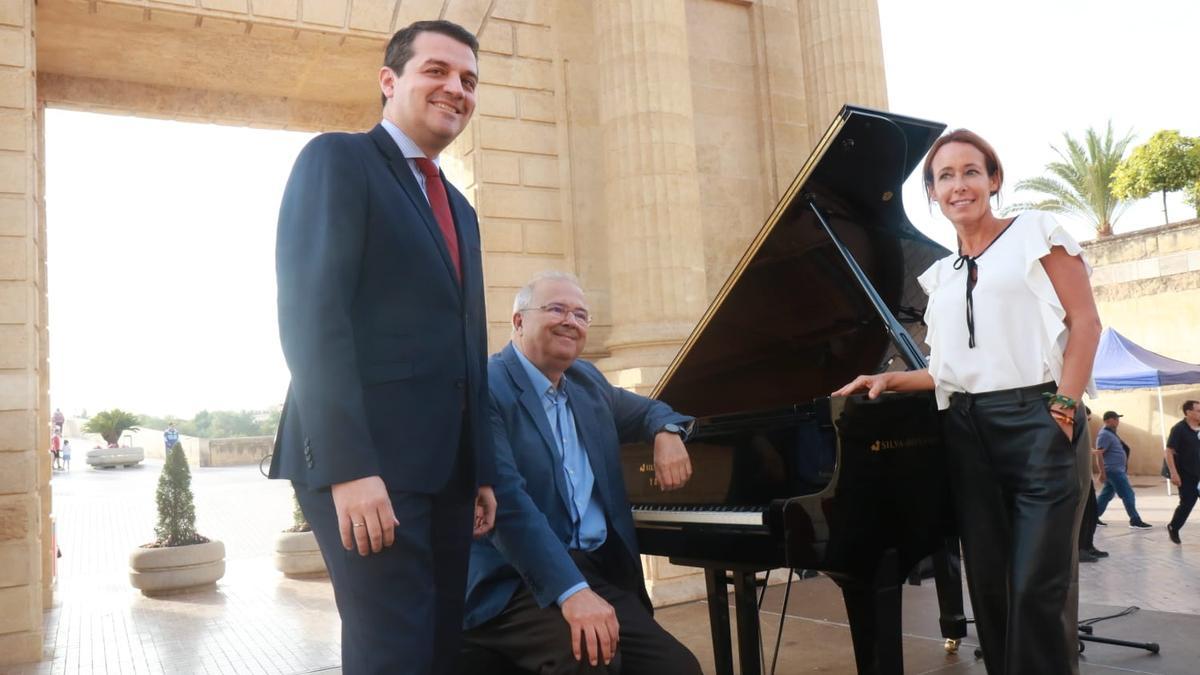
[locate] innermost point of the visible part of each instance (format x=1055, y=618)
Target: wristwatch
x=672, y=428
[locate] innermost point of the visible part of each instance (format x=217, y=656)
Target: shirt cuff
x=571, y=591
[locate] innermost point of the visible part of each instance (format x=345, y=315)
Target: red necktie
x=436, y=191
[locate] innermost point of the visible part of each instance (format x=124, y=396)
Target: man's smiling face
x=433, y=98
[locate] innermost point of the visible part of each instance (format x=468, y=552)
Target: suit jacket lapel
x=585, y=407
x=402, y=173
x=532, y=402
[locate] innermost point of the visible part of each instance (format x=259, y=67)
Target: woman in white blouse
x=1012, y=333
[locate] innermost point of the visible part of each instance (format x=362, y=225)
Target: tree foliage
x=221, y=423
x=110, y=424
x=1169, y=161
x=176, y=512
x=1079, y=182
x=299, y=522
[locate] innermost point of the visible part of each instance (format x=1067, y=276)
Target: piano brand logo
x=645, y=468
x=903, y=443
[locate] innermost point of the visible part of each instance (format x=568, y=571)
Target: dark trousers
x=1187, y=499
x=538, y=639
x=401, y=608
x=1087, y=526
x=1019, y=487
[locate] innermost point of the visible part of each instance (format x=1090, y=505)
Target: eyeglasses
x=561, y=312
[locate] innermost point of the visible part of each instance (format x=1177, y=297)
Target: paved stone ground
x=257, y=621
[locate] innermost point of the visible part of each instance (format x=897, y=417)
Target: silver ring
x=358, y=524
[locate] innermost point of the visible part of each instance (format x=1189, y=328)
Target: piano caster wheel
x=951, y=645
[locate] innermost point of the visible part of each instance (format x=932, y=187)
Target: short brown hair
x=1188, y=405
x=990, y=160
x=399, y=49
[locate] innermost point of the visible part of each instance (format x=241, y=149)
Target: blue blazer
x=386, y=348
x=533, y=519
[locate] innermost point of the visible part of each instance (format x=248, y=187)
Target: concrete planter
x=297, y=555
x=172, y=569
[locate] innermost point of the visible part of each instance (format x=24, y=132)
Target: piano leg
x=947, y=576
x=873, y=607
x=746, y=600
x=718, y=620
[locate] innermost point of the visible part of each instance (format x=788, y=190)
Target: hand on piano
x=672, y=466
x=592, y=618
x=874, y=385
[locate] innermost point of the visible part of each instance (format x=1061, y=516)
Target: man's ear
x=387, y=81
x=518, y=320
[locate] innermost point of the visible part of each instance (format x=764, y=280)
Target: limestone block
x=17, y=430
x=372, y=15
x=14, y=169
x=14, y=262
x=498, y=336
x=122, y=11
x=22, y=608
x=23, y=647
x=467, y=13
x=18, y=390
x=16, y=353
x=508, y=269
x=516, y=72
x=502, y=201
x=501, y=167
x=497, y=37
x=12, y=47
x=535, y=42
x=495, y=101
x=538, y=106
x=13, y=216
x=277, y=9
x=523, y=11
x=499, y=303
x=238, y=6
x=220, y=25
x=324, y=12
x=544, y=238
x=18, y=563
x=12, y=12
x=518, y=136
x=417, y=10
x=14, y=88
x=18, y=516
x=539, y=171
x=175, y=20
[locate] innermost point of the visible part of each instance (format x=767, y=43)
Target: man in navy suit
x=381, y=317
x=557, y=587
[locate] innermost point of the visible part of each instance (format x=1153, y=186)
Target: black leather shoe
x=1087, y=556
x=1101, y=523
x=1097, y=552
x=1173, y=533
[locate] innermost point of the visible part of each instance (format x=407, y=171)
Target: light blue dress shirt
x=409, y=150
x=586, y=510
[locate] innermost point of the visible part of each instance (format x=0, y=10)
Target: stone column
x=24, y=471
x=843, y=59
x=651, y=188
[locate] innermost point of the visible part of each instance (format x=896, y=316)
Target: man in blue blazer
x=557, y=587
x=381, y=318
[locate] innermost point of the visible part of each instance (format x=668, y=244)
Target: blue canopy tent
x=1123, y=364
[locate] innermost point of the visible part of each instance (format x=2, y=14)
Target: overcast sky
x=161, y=234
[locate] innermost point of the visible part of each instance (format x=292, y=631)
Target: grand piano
x=785, y=476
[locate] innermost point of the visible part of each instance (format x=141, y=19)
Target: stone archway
x=663, y=127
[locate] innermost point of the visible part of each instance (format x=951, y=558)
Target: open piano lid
x=791, y=323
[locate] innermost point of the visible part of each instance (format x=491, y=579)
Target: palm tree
x=1079, y=184
x=110, y=424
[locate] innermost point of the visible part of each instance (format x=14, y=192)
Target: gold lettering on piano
x=902, y=443
x=645, y=468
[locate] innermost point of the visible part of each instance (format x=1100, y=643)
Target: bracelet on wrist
x=1062, y=416
x=1060, y=400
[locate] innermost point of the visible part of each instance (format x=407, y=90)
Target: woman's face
x=961, y=185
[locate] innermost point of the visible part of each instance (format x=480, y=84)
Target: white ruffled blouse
x=1019, y=331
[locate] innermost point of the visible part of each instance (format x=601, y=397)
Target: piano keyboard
x=694, y=515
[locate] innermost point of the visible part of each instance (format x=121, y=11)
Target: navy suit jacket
x=533, y=518
x=386, y=348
